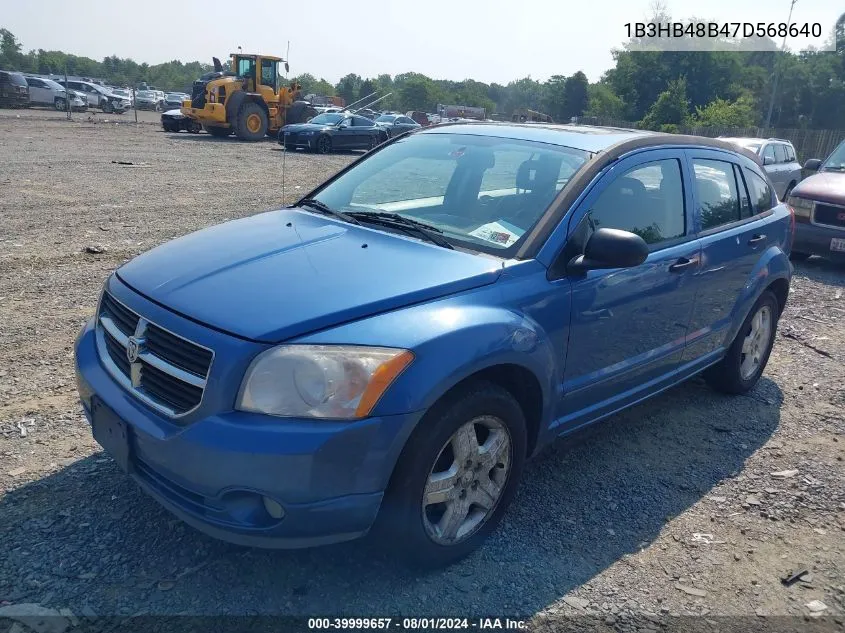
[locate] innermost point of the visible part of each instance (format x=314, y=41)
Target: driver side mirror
x=768, y=160
x=611, y=248
x=396, y=122
x=813, y=164
x=343, y=126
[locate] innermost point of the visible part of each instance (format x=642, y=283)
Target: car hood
x=284, y=273
x=825, y=186
x=302, y=127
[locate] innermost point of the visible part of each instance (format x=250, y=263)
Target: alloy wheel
x=467, y=480
x=756, y=342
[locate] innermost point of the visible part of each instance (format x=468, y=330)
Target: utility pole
x=775, y=69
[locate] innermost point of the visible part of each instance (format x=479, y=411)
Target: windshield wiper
x=394, y=220
x=325, y=209
x=833, y=168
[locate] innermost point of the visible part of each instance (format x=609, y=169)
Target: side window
x=647, y=200
x=268, y=73
x=745, y=208
x=790, y=153
x=760, y=192
x=769, y=152
x=780, y=152
x=715, y=186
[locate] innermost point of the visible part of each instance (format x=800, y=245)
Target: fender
x=772, y=265
x=238, y=98
x=452, y=339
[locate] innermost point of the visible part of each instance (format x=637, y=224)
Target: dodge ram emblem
x=133, y=349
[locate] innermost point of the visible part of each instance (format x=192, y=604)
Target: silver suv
x=778, y=158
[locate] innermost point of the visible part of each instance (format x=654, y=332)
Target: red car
x=819, y=204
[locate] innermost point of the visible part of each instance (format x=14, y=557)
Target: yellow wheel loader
x=248, y=100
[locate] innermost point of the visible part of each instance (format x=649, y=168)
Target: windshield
x=386, y=118
x=17, y=79
x=145, y=93
x=327, y=119
x=836, y=160
x=484, y=193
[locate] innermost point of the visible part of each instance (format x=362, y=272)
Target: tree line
x=654, y=89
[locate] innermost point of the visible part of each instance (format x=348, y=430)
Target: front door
x=628, y=326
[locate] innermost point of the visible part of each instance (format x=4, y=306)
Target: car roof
x=585, y=137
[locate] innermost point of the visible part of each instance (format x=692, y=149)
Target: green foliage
x=671, y=107
x=575, y=96
x=604, y=103
x=739, y=113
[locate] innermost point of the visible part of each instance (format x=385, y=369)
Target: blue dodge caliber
x=391, y=349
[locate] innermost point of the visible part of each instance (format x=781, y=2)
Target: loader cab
x=261, y=73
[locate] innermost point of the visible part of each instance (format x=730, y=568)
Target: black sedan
x=333, y=131
x=174, y=121
x=395, y=124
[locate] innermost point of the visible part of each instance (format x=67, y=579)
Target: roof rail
x=782, y=140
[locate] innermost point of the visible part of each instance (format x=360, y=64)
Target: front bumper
x=294, y=141
x=213, y=468
x=815, y=240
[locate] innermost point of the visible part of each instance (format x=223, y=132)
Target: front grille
x=830, y=215
x=168, y=372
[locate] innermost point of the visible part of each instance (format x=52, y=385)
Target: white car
x=100, y=97
x=47, y=92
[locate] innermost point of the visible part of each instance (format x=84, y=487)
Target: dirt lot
x=693, y=504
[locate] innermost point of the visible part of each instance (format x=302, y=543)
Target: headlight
x=320, y=381
x=803, y=207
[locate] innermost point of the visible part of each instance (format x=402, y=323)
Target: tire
x=107, y=107
x=732, y=374
x=194, y=127
x=421, y=532
x=299, y=112
x=374, y=142
x=798, y=257
x=324, y=144
x=219, y=132
x=252, y=122
x=60, y=104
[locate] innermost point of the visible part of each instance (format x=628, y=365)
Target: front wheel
x=324, y=144
x=107, y=107
x=252, y=122
x=60, y=104
x=456, y=476
x=747, y=356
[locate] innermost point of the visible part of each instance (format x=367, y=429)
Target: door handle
x=682, y=264
x=756, y=240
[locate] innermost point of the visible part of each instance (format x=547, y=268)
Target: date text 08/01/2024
x=410, y=624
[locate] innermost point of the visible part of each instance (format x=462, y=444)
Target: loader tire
x=252, y=122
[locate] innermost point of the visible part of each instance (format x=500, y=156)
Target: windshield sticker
x=499, y=232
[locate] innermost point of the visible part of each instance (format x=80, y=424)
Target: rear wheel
x=324, y=144
x=456, y=476
x=373, y=143
x=252, y=122
x=219, y=132
x=747, y=356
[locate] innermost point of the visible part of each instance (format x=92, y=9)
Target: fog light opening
x=273, y=508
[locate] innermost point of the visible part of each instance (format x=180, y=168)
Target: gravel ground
x=694, y=504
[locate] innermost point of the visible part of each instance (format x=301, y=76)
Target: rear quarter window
x=762, y=196
x=717, y=193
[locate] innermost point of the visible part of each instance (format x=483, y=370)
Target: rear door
x=38, y=92
x=629, y=326
x=730, y=230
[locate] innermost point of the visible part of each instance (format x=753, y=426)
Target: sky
x=486, y=40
